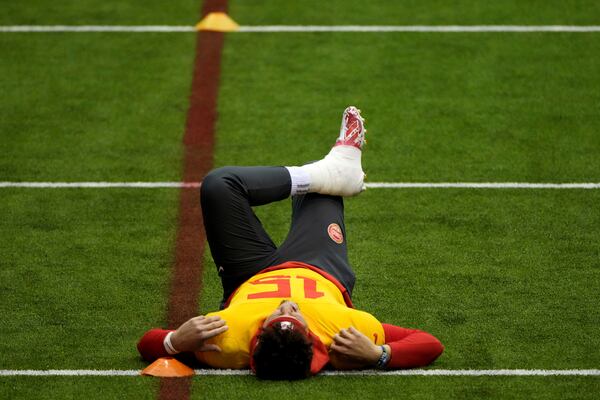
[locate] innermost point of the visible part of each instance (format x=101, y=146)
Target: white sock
x=300, y=180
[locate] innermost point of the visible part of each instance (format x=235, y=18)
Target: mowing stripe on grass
x=307, y=28
x=371, y=185
x=413, y=372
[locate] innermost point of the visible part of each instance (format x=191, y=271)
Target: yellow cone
x=168, y=367
x=217, y=21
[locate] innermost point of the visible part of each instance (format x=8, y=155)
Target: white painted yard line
x=97, y=28
x=420, y=28
x=74, y=185
x=481, y=185
x=232, y=372
x=68, y=372
x=473, y=372
x=307, y=28
x=371, y=185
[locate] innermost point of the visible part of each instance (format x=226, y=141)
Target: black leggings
x=238, y=242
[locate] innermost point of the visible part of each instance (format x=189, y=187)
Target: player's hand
x=192, y=334
x=351, y=349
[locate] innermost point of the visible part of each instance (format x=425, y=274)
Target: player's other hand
x=351, y=349
x=191, y=336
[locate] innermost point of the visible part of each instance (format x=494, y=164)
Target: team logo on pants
x=335, y=233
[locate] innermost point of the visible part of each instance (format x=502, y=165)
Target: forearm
x=411, y=348
x=189, y=337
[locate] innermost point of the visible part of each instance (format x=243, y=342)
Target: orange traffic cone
x=168, y=367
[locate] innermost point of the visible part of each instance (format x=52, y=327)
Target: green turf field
x=507, y=279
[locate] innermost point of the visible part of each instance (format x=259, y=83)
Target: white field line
x=413, y=372
x=371, y=185
x=307, y=28
x=420, y=28
x=74, y=185
x=68, y=372
x=481, y=185
x=97, y=28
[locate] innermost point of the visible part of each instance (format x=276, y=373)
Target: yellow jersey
x=319, y=297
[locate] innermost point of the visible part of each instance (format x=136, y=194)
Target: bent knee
x=215, y=182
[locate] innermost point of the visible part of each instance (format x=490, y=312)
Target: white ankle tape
x=339, y=173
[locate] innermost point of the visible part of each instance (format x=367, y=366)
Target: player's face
x=289, y=309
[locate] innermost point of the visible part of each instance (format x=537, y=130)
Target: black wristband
x=383, y=359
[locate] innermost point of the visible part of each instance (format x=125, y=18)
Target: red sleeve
x=151, y=345
x=411, y=347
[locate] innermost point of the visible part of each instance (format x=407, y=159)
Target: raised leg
x=238, y=242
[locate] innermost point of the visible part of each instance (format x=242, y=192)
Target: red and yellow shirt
x=320, y=299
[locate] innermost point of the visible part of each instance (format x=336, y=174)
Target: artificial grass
x=439, y=107
x=399, y=387
x=411, y=12
x=122, y=387
x=245, y=387
x=307, y=12
x=95, y=12
x=83, y=274
x=93, y=107
x=506, y=279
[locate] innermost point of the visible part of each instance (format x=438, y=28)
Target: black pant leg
x=318, y=236
x=238, y=242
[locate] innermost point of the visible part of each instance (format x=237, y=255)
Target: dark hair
x=282, y=354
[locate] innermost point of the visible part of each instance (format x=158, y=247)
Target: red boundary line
x=186, y=280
